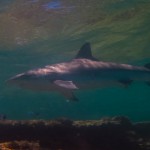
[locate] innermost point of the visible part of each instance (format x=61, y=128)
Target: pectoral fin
x=66, y=84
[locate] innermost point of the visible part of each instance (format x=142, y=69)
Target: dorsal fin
x=85, y=52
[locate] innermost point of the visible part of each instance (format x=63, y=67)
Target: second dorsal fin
x=85, y=52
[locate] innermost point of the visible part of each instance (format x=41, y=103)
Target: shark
x=82, y=72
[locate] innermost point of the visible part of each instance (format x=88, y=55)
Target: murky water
x=34, y=33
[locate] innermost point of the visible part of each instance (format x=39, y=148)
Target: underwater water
x=35, y=33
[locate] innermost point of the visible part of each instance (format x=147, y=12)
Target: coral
x=116, y=133
x=19, y=145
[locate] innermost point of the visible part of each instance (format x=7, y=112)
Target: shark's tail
x=148, y=67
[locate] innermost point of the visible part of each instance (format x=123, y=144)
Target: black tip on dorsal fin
x=85, y=52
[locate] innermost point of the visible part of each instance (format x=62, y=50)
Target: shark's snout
x=16, y=80
x=24, y=80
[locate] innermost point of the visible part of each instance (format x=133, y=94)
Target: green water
x=34, y=33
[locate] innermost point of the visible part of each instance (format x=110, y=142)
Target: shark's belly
x=39, y=86
x=95, y=85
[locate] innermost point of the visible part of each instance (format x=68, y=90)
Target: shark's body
x=83, y=72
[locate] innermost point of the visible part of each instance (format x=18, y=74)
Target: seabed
x=116, y=133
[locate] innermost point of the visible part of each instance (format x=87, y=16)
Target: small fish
x=83, y=72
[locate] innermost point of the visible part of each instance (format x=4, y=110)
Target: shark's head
x=21, y=80
x=38, y=79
